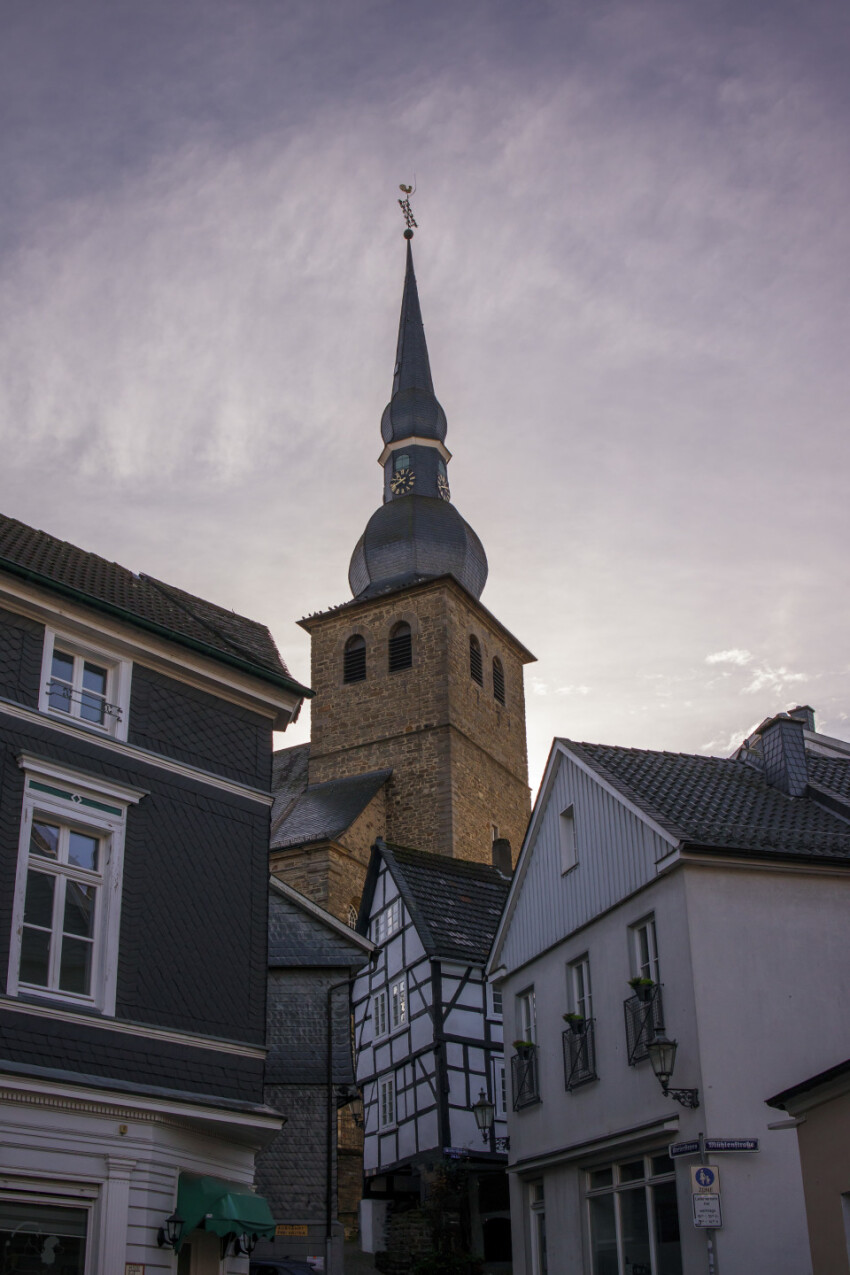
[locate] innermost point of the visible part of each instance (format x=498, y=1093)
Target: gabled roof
x=142, y=600
x=725, y=803
x=455, y=905
x=289, y=779
x=322, y=812
x=301, y=934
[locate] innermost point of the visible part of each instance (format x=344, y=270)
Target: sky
x=632, y=258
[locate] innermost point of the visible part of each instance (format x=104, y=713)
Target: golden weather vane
x=409, y=219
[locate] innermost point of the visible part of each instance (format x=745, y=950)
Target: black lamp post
x=662, y=1055
x=485, y=1115
x=170, y=1233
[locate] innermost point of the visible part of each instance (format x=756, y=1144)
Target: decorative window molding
x=67, y=904
x=567, y=839
x=386, y=1103
x=400, y=648
x=498, y=681
x=476, y=666
x=354, y=659
x=85, y=684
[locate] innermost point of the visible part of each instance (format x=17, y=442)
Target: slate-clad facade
x=135, y=766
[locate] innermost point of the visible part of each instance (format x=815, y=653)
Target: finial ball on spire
x=408, y=234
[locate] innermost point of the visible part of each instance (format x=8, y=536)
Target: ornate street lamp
x=485, y=1115
x=662, y=1055
x=170, y=1232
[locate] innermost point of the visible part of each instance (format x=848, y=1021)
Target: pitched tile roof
x=719, y=803
x=454, y=904
x=289, y=779
x=322, y=812
x=141, y=599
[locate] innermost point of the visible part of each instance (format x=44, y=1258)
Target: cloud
x=773, y=679
x=572, y=690
x=735, y=655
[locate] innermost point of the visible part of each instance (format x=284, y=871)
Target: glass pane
x=44, y=840
x=35, y=956
x=63, y=666
x=631, y=1172
x=600, y=1177
x=662, y=1164
x=82, y=850
x=603, y=1236
x=75, y=965
x=634, y=1226
x=59, y=697
x=92, y=708
x=79, y=908
x=94, y=678
x=668, y=1254
x=38, y=906
x=42, y=1238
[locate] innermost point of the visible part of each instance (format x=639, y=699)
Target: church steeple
x=417, y=534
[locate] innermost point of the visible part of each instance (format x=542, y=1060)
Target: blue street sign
x=684, y=1148
x=731, y=1144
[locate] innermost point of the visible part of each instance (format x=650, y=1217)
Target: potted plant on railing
x=642, y=988
x=524, y=1048
x=575, y=1022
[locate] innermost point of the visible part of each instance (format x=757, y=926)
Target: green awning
x=225, y=1208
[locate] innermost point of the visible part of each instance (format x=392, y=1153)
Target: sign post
x=707, y=1215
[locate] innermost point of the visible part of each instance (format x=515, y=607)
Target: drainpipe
x=331, y=1122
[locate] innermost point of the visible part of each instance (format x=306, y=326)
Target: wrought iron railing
x=579, y=1055
x=524, y=1077
x=644, y=1017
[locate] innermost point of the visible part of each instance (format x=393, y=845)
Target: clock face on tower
x=402, y=482
x=443, y=487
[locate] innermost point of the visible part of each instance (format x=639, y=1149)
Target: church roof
x=455, y=905
x=322, y=812
x=161, y=608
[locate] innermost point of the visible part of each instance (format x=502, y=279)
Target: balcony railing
x=643, y=1019
x=524, y=1077
x=579, y=1055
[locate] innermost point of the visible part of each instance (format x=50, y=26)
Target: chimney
x=805, y=714
x=502, y=856
x=784, y=754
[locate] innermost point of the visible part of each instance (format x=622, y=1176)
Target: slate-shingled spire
x=417, y=534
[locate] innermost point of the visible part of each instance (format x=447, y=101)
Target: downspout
x=331, y=1123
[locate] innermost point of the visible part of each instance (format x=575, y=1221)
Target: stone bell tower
x=414, y=676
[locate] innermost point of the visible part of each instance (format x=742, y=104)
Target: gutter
x=109, y=608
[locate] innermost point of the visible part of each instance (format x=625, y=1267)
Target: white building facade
x=724, y=884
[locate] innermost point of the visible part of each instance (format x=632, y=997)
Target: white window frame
x=398, y=1004
x=526, y=1016
x=387, y=1110
x=500, y=1088
x=537, y=1227
x=567, y=839
x=98, y=807
x=496, y=1003
x=644, y=949
x=387, y=922
x=580, y=992
x=379, y=1015
x=118, y=678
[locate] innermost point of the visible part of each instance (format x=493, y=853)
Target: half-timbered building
x=428, y=1036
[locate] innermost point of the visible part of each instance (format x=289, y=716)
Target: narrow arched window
x=354, y=660
x=400, y=648
x=498, y=681
x=476, y=668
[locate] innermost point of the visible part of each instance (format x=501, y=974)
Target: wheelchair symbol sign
x=705, y=1178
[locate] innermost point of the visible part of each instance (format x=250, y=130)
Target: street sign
x=705, y=1179
x=684, y=1148
x=731, y=1144
x=707, y=1210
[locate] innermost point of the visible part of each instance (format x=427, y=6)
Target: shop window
x=633, y=1217
x=354, y=660
x=42, y=1237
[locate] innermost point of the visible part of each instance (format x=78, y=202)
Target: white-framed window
x=495, y=1000
x=537, y=1228
x=379, y=1014
x=567, y=838
x=578, y=991
x=67, y=904
x=387, y=922
x=85, y=684
x=633, y=1216
x=398, y=1003
x=526, y=1017
x=500, y=1089
x=386, y=1102
x=36, y=1226
x=645, y=950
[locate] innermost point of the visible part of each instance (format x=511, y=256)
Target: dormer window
x=498, y=681
x=476, y=667
x=84, y=685
x=354, y=660
x=400, y=648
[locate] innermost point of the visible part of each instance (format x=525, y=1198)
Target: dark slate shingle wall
x=21, y=645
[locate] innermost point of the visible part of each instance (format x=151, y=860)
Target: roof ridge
x=169, y=591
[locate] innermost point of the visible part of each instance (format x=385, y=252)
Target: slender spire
x=412, y=366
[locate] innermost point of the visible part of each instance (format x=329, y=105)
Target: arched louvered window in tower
x=498, y=681
x=400, y=648
x=476, y=668
x=354, y=660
